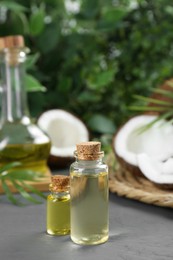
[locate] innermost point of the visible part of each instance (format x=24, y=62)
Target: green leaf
x=31, y=188
x=9, y=166
x=31, y=60
x=167, y=93
x=37, y=22
x=26, y=175
x=144, y=108
x=24, y=194
x=24, y=21
x=18, y=178
x=48, y=40
x=89, y=8
x=169, y=9
x=153, y=100
x=102, y=79
x=101, y=124
x=87, y=96
x=111, y=17
x=13, y=6
x=65, y=84
x=149, y=125
x=32, y=84
x=114, y=14
x=18, y=27
x=9, y=193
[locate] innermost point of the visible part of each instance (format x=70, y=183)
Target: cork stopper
x=16, y=41
x=59, y=183
x=12, y=46
x=89, y=150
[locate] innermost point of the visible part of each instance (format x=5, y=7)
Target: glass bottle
x=20, y=139
x=58, y=206
x=89, y=195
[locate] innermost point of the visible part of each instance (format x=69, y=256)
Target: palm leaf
x=9, y=193
x=165, y=107
x=24, y=193
x=18, y=179
x=32, y=189
x=153, y=100
x=146, y=108
x=25, y=175
x=9, y=166
x=164, y=92
x=149, y=125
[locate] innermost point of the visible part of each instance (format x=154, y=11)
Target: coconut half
x=64, y=130
x=153, y=168
x=148, y=153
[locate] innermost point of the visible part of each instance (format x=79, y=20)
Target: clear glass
x=58, y=213
x=89, y=202
x=20, y=139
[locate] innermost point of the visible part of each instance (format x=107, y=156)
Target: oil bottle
x=20, y=139
x=89, y=195
x=58, y=206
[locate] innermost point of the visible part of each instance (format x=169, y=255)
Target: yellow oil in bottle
x=20, y=139
x=89, y=208
x=58, y=206
x=58, y=215
x=32, y=156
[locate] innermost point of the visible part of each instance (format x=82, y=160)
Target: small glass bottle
x=89, y=195
x=20, y=139
x=58, y=206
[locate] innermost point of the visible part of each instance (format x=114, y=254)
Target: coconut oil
x=32, y=156
x=20, y=139
x=58, y=206
x=89, y=198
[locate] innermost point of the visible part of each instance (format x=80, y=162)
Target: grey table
x=137, y=232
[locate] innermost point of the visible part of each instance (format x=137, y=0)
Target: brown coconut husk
x=164, y=86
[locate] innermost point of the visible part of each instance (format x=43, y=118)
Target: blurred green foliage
x=92, y=56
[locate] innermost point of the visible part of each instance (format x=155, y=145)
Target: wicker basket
x=125, y=184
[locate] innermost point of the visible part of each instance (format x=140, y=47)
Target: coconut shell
x=164, y=186
x=57, y=162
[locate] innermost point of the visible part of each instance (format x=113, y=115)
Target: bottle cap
x=88, y=150
x=16, y=41
x=11, y=46
x=59, y=183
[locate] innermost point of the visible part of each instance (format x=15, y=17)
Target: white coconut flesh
x=64, y=130
x=151, y=150
x=156, y=171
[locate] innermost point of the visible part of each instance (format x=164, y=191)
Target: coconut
x=146, y=153
x=64, y=130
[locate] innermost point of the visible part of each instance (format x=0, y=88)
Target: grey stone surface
x=137, y=232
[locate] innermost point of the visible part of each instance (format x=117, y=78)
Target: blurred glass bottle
x=20, y=139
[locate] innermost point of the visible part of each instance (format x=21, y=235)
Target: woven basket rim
x=124, y=183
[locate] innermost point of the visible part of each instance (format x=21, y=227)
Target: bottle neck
x=14, y=103
x=60, y=194
x=89, y=163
